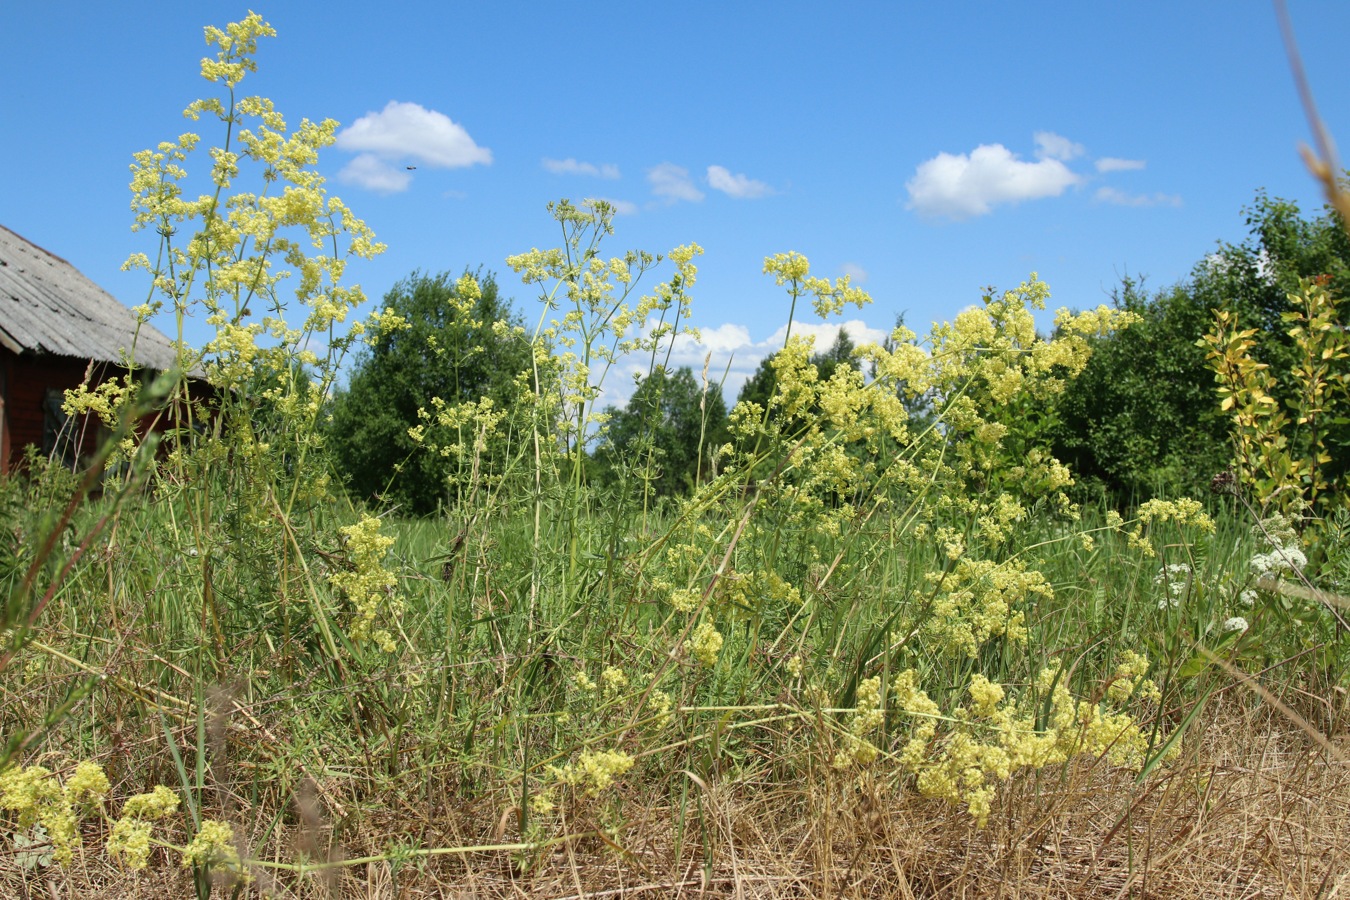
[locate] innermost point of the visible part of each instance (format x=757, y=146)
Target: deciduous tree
x=457, y=345
x=666, y=432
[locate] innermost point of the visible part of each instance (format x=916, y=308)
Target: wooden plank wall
x=27, y=378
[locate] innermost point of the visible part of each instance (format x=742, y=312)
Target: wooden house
x=57, y=330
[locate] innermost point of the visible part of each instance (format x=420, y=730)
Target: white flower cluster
x=1283, y=553
x=1281, y=558
x=1176, y=578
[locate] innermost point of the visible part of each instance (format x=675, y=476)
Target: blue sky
x=928, y=149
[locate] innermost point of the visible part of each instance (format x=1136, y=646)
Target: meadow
x=879, y=649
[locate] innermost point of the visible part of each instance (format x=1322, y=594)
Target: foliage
x=1283, y=459
x=1141, y=421
x=1284, y=246
x=669, y=429
x=455, y=343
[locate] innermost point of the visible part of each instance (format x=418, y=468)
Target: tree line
x=1141, y=421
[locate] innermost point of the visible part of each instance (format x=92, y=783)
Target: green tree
x=665, y=433
x=1143, y=418
x=1282, y=247
x=457, y=347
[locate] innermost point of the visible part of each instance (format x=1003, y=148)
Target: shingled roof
x=48, y=306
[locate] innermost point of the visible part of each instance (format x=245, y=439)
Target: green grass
x=212, y=656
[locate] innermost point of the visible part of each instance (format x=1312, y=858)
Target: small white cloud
x=673, y=183
x=855, y=272
x=1114, y=164
x=621, y=207
x=374, y=174
x=959, y=186
x=722, y=341
x=738, y=186
x=1053, y=146
x=571, y=166
x=1120, y=198
x=410, y=131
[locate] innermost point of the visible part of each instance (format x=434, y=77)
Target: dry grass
x=1253, y=808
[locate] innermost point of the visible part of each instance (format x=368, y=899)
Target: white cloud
x=571, y=166
x=1053, y=146
x=959, y=186
x=1115, y=164
x=855, y=272
x=715, y=346
x=672, y=182
x=731, y=343
x=408, y=131
x=721, y=341
x=374, y=174
x=824, y=333
x=621, y=207
x=738, y=186
x=1120, y=198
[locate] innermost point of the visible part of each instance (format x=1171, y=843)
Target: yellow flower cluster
x=234, y=348
x=847, y=443
x=786, y=267
x=997, y=521
x=992, y=737
x=130, y=838
x=979, y=600
x=213, y=848
x=40, y=799
x=685, y=599
x=1185, y=513
x=1130, y=680
x=107, y=400
x=914, y=701
x=867, y=717
x=219, y=250
x=662, y=706
x=613, y=681
x=238, y=43
x=474, y=425
x=584, y=682
x=793, y=269
x=380, y=323
x=739, y=593
x=370, y=587
x=704, y=644
x=600, y=321
x=594, y=771
x=110, y=401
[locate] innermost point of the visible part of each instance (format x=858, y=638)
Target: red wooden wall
x=24, y=382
